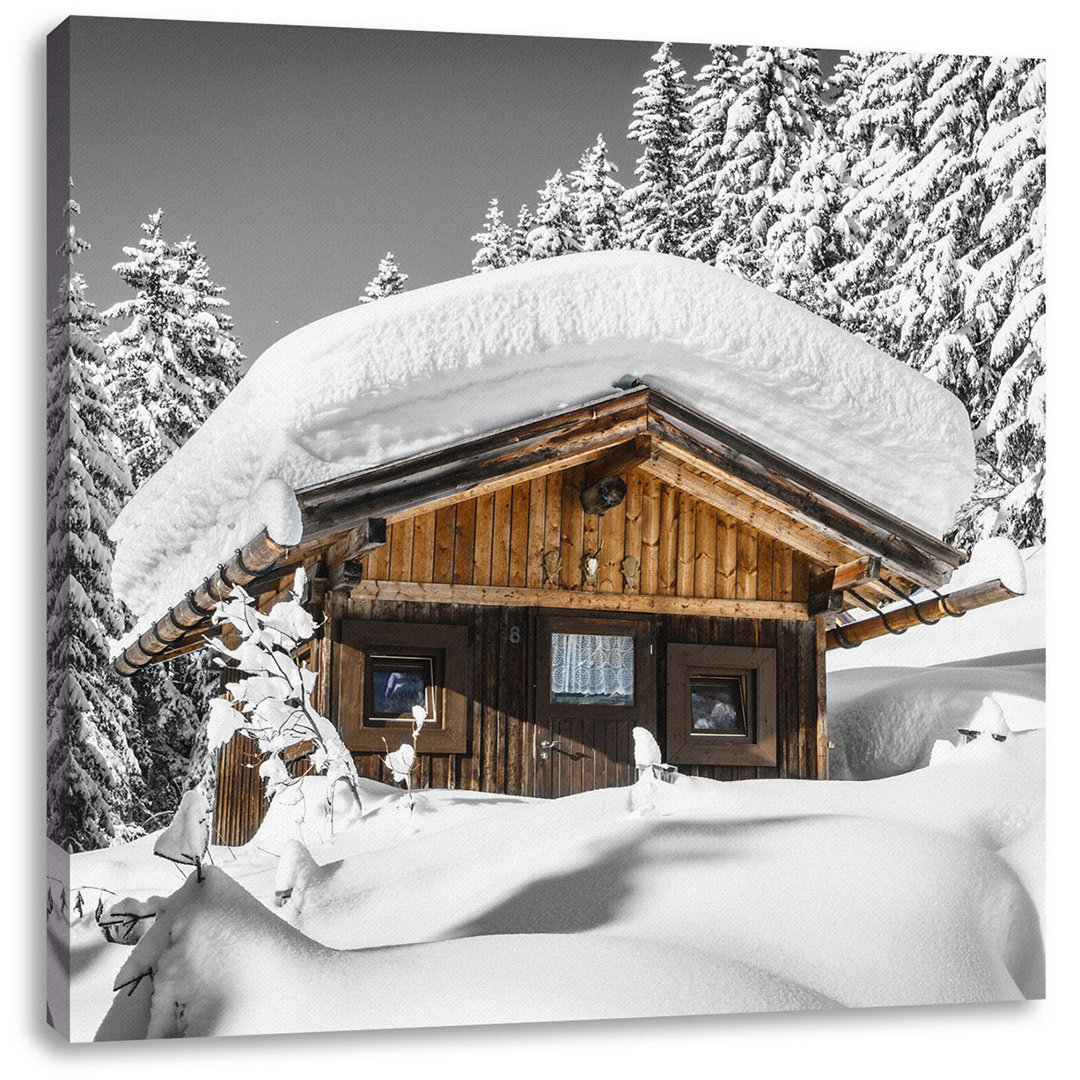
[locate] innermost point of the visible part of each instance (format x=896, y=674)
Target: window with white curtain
x=592, y=669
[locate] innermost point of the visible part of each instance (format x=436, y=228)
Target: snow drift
x=891, y=699
x=381, y=381
x=762, y=895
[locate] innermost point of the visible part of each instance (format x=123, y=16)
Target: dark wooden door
x=595, y=682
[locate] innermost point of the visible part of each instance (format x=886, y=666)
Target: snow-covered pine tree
x=493, y=252
x=708, y=105
x=169, y=368
x=387, y=282
x=556, y=230
x=875, y=121
x=597, y=195
x=944, y=195
x=768, y=126
x=177, y=357
x=94, y=781
x=1005, y=305
x=661, y=124
x=519, y=248
x=211, y=341
x=804, y=245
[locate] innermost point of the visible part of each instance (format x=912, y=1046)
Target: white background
x=1036, y=1039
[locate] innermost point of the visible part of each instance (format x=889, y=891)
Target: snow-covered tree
x=597, y=197
x=877, y=126
x=519, y=247
x=494, y=240
x=804, y=244
x=95, y=785
x=1005, y=304
x=650, y=218
x=169, y=368
x=768, y=127
x=177, y=357
x=387, y=282
x=708, y=104
x=271, y=701
x=211, y=340
x=556, y=230
x=945, y=198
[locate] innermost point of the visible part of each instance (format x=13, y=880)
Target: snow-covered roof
x=416, y=371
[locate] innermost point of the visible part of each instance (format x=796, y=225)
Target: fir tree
x=1005, y=305
x=95, y=785
x=169, y=368
x=494, y=242
x=177, y=357
x=877, y=125
x=210, y=340
x=768, y=126
x=556, y=230
x=387, y=282
x=709, y=105
x=597, y=196
x=519, y=247
x=945, y=197
x=804, y=244
x=651, y=220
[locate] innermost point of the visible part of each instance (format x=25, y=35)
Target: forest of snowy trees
x=122, y=752
x=901, y=197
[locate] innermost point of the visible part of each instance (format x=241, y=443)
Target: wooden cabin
x=546, y=587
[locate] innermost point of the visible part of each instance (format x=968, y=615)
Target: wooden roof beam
x=827, y=587
x=900, y=619
x=514, y=596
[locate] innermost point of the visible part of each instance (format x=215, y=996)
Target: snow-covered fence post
x=272, y=702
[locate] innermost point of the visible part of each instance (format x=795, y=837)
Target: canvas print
x=540, y=529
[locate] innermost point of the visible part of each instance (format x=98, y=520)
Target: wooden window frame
x=635, y=626
x=448, y=645
x=685, y=746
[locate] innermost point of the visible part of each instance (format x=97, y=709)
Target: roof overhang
x=670, y=439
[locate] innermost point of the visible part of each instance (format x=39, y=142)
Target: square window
x=721, y=705
x=381, y=670
x=398, y=684
x=592, y=669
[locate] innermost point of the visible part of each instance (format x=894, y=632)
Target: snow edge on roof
x=413, y=372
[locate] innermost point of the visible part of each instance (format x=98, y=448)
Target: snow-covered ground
x=685, y=898
x=891, y=698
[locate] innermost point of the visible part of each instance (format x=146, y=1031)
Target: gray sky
x=297, y=157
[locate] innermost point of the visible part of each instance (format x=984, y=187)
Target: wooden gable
x=532, y=538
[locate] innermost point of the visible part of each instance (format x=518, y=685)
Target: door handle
x=553, y=744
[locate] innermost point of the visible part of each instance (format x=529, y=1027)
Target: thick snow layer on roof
x=414, y=371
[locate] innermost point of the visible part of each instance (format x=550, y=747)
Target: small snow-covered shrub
x=271, y=702
x=402, y=761
x=188, y=835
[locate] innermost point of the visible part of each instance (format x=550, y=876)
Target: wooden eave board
x=714, y=464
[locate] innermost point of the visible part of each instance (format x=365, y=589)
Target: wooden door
x=595, y=682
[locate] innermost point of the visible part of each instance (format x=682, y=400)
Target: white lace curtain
x=592, y=664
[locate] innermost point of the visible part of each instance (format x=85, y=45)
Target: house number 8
x=515, y=635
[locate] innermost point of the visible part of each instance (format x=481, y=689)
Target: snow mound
x=415, y=371
x=924, y=888
x=885, y=721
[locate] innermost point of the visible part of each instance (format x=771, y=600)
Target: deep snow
x=683, y=898
x=692, y=897
x=381, y=381
x=890, y=699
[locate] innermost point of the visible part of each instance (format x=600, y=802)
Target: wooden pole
x=977, y=596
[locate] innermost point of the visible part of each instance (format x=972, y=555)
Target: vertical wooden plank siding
x=680, y=545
